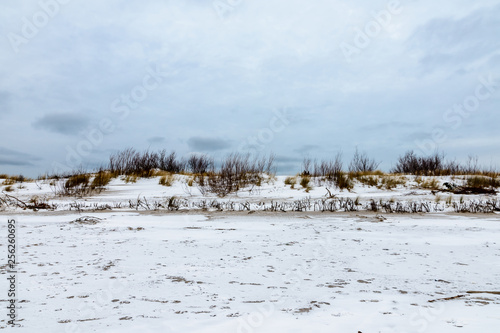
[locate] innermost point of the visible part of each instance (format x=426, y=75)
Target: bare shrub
x=76, y=185
x=169, y=162
x=200, y=164
x=306, y=166
x=471, y=166
x=362, y=163
x=328, y=169
x=235, y=172
x=122, y=161
x=435, y=165
x=132, y=162
x=331, y=172
x=410, y=163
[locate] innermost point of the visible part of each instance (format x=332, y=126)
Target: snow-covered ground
x=126, y=260
x=259, y=272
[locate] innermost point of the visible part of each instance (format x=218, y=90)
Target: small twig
x=468, y=292
x=484, y=292
x=330, y=195
x=446, y=298
x=19, y=201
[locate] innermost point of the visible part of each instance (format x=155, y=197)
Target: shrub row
x=436, y=165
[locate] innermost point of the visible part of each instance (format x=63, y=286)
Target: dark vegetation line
x=330, y=204
x=237, y=171
x=144, y=164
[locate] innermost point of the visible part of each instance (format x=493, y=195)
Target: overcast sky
x=81, y=79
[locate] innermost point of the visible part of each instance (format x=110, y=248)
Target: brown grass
x=391, y=182
x=130, y=179
x=482, y=182
x=343, y=181
x=292, y=181
x=368, y=180
x=8, y=181
x=78, y=180
x=430, y=184
x=354, y=175
x=304, y=182
x=167, y=180
x=101, y=179
x=8, y=188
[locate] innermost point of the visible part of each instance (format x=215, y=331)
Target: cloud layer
x=63, y=123
x=181, y=75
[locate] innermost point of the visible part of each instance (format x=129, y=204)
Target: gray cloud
x=5, y=99
x=287, y=159
x=230, y=77
x=156, y=139
x=7, y=151
x=448, y=42
x=14, y=162
x=287, y=168
x=207, y=144
x=62, y=123
x=306, y=149
x=287, y=164
x=15, y=153
x=412, y=136
x=16, y=158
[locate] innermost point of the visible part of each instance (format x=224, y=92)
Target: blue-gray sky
x=81, y=79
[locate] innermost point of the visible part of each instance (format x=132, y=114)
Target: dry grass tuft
x=167, y=180
x=304, y=182
x=101, y=180
x=292, y=181
x=78, y=181
x=130, y=179
x=430, y=184
x=391, y=182
x=482, y=182
x=8, y=188
x=8, y=181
